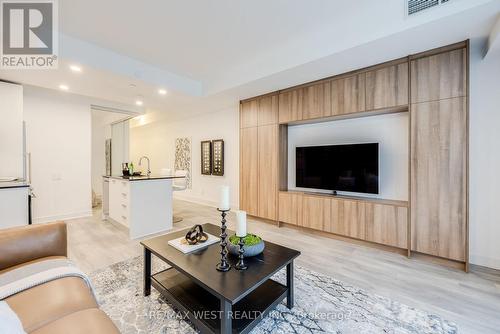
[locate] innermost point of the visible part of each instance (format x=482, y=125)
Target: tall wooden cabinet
x=259, y=156
x=433, y=88
x=249, y=165
x=439, y=154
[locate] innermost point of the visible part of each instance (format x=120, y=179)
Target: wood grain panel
x=289, y=207
x=249, y=113
x=283, y=157
x=348, y=95
x=318, y=102
x=313, y=212
x=268, y=171
x=354, y=218
x=439, y=178
x=387, y=87
x=440, y=76
x=336, y=222
x=267, y=110
x=348, y=218
x=291, y=104
x=389, y=225
x=248, y=170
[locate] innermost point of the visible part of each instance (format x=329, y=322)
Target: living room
x=263, y=167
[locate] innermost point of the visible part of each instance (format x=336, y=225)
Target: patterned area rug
x=322, y=305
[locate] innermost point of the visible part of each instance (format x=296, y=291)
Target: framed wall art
x=218, y=157
x=206, y=157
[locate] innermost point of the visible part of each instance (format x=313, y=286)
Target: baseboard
x=484, y=261
x=75, y=215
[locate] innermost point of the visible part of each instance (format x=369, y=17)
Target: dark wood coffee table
x=217, y=302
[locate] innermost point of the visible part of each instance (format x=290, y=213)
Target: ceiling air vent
x=415, y=6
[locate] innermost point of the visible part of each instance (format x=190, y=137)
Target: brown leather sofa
x=65, y=305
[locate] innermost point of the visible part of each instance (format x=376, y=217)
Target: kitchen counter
x=143, y=177
x=13, y=184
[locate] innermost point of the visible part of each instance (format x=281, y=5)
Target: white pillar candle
x=241, y=223
x=224, y=198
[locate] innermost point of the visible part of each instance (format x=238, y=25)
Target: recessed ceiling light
x=139, y=102
x=162, y=91
x=75, y=68
x=63, y=87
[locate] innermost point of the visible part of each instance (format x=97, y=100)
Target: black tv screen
x=352, y=168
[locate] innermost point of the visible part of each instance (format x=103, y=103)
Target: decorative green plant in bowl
x=253, y=245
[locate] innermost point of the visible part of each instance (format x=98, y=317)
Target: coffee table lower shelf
x=203, y=308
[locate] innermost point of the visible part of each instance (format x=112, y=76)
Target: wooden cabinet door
x=268, y=171
x=348, y=218
x=291, y=104
x=389, y=225
x=318, y=101
x=440, y=76
x=354, y=218
x=267, y=110
x=290, y=208
x=249, y=111
x=249, y=170
x=438, y=178
x=313, y=212
x=348, y=95
x=387, y=87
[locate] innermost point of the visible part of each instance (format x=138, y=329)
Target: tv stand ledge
x=353, y=198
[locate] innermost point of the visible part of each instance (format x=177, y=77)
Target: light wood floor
x=471, y=300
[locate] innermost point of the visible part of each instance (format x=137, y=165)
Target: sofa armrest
x=27, y=243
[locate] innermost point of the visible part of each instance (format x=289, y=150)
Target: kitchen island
x=141, y=203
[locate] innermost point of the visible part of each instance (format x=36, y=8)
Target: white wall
x=484, y=168
x=390, y=131
x=11, y=130
x=157, y=140
x=101, y=130
x=58, y=137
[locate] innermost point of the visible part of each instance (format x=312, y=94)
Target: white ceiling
x=209, y=54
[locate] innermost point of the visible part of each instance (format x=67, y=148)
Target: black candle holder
x=223, y=265
x=241, y=262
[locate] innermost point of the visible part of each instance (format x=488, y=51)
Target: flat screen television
x=352, y=168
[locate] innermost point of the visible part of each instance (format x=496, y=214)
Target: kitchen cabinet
x=11, y=130
x=13, y=205
x=143, y=205
x=387, y=87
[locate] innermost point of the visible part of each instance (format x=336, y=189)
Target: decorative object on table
x=218, y=157
x=241, y=233
x=223, y=265
x=223, y=208
x=252, y=245
x=183, y=157
x=182, y=245
x=206, y=157
x=240, y=265
x=108, y=157
x=196, y=235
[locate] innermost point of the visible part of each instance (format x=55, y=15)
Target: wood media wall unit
x=432, y=87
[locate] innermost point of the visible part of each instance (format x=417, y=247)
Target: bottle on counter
x=125, y=170
x=131, y=169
